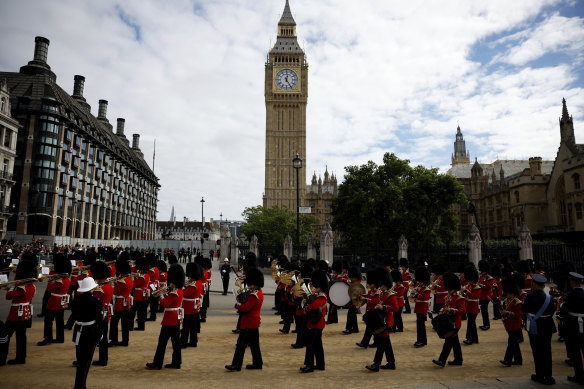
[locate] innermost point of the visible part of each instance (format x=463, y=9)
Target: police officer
x=572, y=311
x=225, y=269
x=539, y=308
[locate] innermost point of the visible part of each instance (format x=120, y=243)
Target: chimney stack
x=102, y=112
x=136, y=141
x=41, y=49
x=39, y=63
x=78, y=86
x=535, y=166
x=120, y=128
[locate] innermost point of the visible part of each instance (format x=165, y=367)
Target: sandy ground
x=203, y=366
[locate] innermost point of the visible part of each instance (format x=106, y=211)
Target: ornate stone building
x=74, y=175
x=545, y=195
x=8, y=133
x=319, y=195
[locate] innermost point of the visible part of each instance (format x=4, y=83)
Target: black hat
x=322, y=265
x=176, y=276
x=484, y=266
x=61, y=264
x=90, y=259
x=251, y=255
x=142, y=264
x=403, y=262
x=355, y=272
x=306, y=270
x=26, y=269
x=172, y=259
x=319, y=280
x=79, y=255
x=471, y=274
x=161, y=265
x=576, y=277
x=124, y=255
x=539, y=279
x=384, y=277
x=524, y=267
x=122, y=267
x=29, y=256
x=337, y=266
x=438, y=269
x=396, y=276
x=518, y=279
x=510, y=285
x=248, y=263
x=372, y=277
x=451, y=281
x=388, y=262
x=194, y=271
x=152, y=260
x=99, y=270
x=422, y=275
x=254, y=277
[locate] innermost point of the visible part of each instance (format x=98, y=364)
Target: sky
x=384, y=76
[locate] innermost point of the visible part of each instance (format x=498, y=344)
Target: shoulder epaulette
x=23, y=287
x=122, y=281
x=174, y=292
x=59, y=281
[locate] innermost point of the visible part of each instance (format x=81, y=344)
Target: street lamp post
x=297, y=163
x=202, y=224
x=185, y=228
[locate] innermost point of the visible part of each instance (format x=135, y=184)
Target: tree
x=376, y=204
x=271, y=225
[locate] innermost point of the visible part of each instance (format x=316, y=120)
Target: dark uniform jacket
x=573, y=303
x=531, y=305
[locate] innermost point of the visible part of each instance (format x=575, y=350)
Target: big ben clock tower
x=286, y=93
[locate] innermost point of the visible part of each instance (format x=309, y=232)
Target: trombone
x=23, y=281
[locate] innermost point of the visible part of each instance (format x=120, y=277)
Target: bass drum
x=339, y=293
x=444, y=326
x=375, y=321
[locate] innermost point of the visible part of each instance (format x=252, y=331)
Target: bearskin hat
x=384, y=277
x=451, y=281
x=484, y=266
x=319, y=280
x=207, y=263
x=161, y=265
x=306, y=270
x=388, y=262
x=254, y=277
x=496, y=271
x=438, y=269
x=79, y=255
x=99, y=270
x=471, y=274
x=403, y=262
x=354, y=272
x=519, y=279
x=251, y=255
x=312, y=263
x=510, y=286
x=337, y=266
x=396, y=276
x=122, y=267
x=194, y=271
x=172, y=259
x=61, y=264
x=90, y=259
x=29, y=256
x=562, y=275
x=176, y=276
x=152, y=260
x=422, y=275
x=142, y=264
x=27, y=269
x=248, y=263
x=524, y=267
x=372, y=277
x=124, y=255
x=322, y=265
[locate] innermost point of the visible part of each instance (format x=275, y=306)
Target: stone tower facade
x=461, y=154
x=286, y=94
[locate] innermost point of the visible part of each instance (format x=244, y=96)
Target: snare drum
x=444, y=326
x=375, y=321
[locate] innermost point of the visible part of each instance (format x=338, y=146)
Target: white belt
x=120, y=297
x=423, y=301
x=145, y=291
x=21, y=308
x=64, y=298
x=81, y=324
x=180, y=312
x=442, y=292
x=475, y=300
x=189, y=299
x=580, y=317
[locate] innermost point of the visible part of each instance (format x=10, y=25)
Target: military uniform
x=572, y=311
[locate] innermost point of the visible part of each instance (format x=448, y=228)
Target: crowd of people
x=109, y=288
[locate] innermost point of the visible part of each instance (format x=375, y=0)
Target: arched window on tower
x=517, y=196
x=578, y=207
x=576, y=179
x=3, y=105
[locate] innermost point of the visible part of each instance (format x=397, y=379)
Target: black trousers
x=46, y=297
x=153, y=302
x=206, y=302
x=485, y=312
x=190, y=327
x=20, y=328
x=352, y=323
x=333, y=316
x=103, y=353
x=140, y=309
x=421, y=328
x=438, y=307
x=383, y=347
x=225, y=284
x=57, y=316
x=513, y=352
x=248, y=337
x=288, y=317
x=314, y=349
x=367, y=336
x=407, y=308
x=84, y=352
x=471, y=327
x=124, y=318
x=541, y=347
x=398, y=323
x=172, y=333
x=575, y=349
x=300, y=329
x=451, y=343
x=496, y=309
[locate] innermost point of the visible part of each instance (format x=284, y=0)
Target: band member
x=472, y=293
x=486, y=283
x=371, y=301
x=207, y=273
x=399, y=289
x=154, y=275
x=300, y=314
x=225, y=272
x=539, y=308
x=20, y=314
x=388, y=304
x=122, y=304
x=572, y=311
x=437, y=288
x=288, y=302
x=162, y=278
x=88, y=311
x=316, y=311
x=524, y=267
x=173, y=314
x=337, y=275
x=76, y=276
x=404, y=266
x=512, y=316
x=421, y=296
x=57, y=303
x=249, y=306
x=455, y=307
x=192, y=297
x=141, y=294
x=104, y=293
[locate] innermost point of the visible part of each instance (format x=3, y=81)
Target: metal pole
x=297, y=215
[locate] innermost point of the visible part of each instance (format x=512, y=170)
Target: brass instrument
x=356, y=290
x=43, y=277
x=160, y=291
x=274, y=265
x=275, y=275
x=23, y=281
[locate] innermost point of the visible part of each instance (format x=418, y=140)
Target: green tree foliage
x=376, y=204
x=271, y=225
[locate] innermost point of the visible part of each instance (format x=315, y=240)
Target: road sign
x=304, y=210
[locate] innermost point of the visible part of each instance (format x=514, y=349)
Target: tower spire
x=565, y=115
x=287, y=19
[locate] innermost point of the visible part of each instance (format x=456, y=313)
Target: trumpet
x=23, y=281
x=43, y=277
x=160, y=291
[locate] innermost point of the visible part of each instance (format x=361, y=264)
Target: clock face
x=286, y=79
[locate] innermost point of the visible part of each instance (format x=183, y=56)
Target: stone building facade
x=547, y=196
x=8, y=134
x=319, y=195
x=189, y=230
x=74, y=175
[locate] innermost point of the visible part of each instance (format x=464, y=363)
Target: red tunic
x=528, y=284
x=21, y=297
x=141, y=287
x=473, y=294
x=422, y=295
x=457, y=308
x=250, y=317
x=316, y=304
x=173, y=312
x=514, y=318
x=486, y=282
x=122, y=292
x=441, y=292
x=162, y=280
x=372, y=299
x=154, y=274
x=59, y=297
x=400, y=291
x=406, y=279
x=389, y=301
x=112, y=268
x=104, y=293
x=191, y=293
